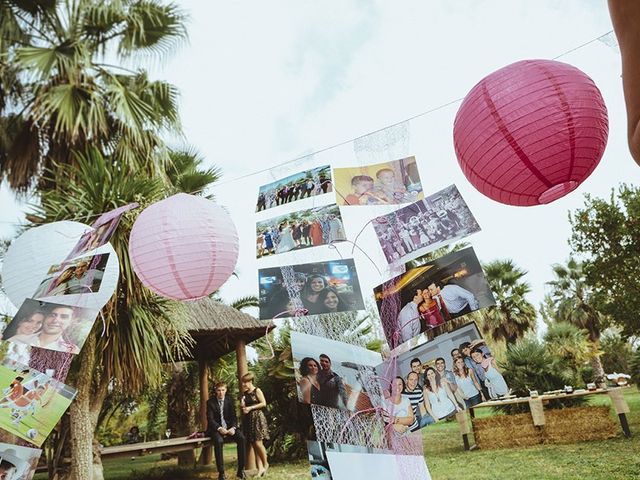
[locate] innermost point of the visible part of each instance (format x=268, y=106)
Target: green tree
x=140, y=332
x=570, y=350
x=606, y=234
x=513, y=315
x=617, y=352
x=575, y=304
x=60, y=94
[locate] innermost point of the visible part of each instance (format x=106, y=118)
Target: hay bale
x=567, y=425
x=580, y=424
x=506, y=431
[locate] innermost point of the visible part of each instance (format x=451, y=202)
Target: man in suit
x=222, y=425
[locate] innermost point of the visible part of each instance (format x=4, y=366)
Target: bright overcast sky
x=265, y=82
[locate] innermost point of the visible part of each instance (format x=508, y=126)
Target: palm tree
x=139, y=330
x=60, y=94
x=513, y=315
x=574, y=303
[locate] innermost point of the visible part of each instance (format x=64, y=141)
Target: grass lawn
x=618, y=458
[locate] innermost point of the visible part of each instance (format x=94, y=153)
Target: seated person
x=222, y=425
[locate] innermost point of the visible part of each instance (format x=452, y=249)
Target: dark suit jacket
x=213, y=414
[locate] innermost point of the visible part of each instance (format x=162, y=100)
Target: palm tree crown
x=513, y=315
x=58, y=93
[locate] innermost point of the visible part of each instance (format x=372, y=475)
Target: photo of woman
x=494, y=381
x=438, y=397
x=309, y=385
x=330, y=301
x=24, y=325
x=309, y=289
x=467, y=383
x=398, y=410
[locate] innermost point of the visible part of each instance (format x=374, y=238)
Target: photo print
x=389, y=183
x=17, y=462
x=101, y=231
x=32, y=402
x=426, y=297
x=309, y=289
x=298, y=230
x=423, y=226
x=310, y=183
x=364, y=466
x=334, y=374
x=80, y=275
x=451, y=373
x=51, y=326
x=319, y=462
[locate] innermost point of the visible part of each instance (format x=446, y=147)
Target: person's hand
x=223, y=431
x=231, y=431
x=400, y=428
x=245, y=410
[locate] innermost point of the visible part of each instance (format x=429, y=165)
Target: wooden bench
x=172, y=445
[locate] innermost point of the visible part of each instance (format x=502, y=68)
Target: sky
x=263, y=83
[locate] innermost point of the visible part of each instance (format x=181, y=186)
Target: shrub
x=530, y=366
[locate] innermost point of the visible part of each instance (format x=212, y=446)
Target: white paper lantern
x=30, y=256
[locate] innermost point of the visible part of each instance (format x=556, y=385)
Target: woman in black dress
x=309, y=385
x=254, y=422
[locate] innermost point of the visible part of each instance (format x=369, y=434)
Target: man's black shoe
x=242, y=475
x=221, y=476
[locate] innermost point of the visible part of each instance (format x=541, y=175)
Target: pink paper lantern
x=184, y=247
x=531, y=132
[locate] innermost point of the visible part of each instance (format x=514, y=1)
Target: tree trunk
x=598, y=372
x=82, y=427
x=180, y=410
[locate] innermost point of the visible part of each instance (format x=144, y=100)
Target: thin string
x=413, y=117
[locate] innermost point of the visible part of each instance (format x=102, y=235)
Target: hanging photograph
x=423, y=226
x=309, y=289
x=299, y=230
x=310, y=183
x=453, y=372
x=33, y=402
x=319, y=462
x=426, y=297
x=101, y=231
x=389, y=183
x=51, y=326
x=334, y=374
x=80, y=275
x=17, y=462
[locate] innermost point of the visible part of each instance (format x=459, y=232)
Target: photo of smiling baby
x=389, y=183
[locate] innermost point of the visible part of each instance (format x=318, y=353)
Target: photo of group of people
x=426, y=297
x=309, y=289
x=332, y=374
x=101, y=231
x=295, y=187
x=389, y=183
x=298, y=230
x=17, y=462
x=81, y=275
x=425, y=225
x=52, y=326
x=435, y=380
x=32, y=402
